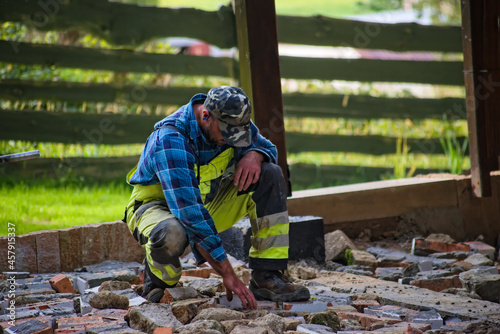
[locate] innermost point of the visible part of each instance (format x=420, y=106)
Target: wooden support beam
x=260, y=70
x=481, y=44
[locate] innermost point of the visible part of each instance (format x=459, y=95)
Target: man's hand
x=248, y=170
x=231, y=281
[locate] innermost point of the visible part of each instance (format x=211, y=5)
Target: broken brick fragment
x=201, y=272
x=421, y=246
x=366, y=320
x=438, y=284
x=62, y=284
x=361, y=304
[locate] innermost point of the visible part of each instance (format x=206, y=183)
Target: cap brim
x=235, y=135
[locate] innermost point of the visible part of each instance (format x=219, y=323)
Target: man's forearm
x=223, y=268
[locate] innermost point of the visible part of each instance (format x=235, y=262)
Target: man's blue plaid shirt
x=168, y=158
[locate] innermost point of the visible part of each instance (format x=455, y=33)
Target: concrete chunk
x=147, y=317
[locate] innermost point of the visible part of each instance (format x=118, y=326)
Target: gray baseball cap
x=231, y=107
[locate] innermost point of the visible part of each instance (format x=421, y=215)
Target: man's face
x=213, y=134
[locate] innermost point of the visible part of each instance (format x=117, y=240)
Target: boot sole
x=155, y=295
x=265, y=294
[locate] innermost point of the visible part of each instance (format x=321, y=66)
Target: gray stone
x=459, y=255
x=182, y=293
x=484, y=284
x=108, y=299
x=328, y=318
x=291, y=323
x=114, y=285
x=30, y=326
x=431, y=317
x=250, y=330
x=110, y=265
x=16, y=274
x=350, y=325
x=229, y=325
x=425, y=266
x=439, y=273
x=218, y=314
x=273, y=321
x=316, y=329
x=411, y=270
x=96, y=279
x=20, y=314
x=202, y=326
x=478, y=259
x=389, y=273
x=186, y=310
x=306, y=272
x=441, y=238
x=208, y=287
x=363, y=258
x=147, y=317
x=81, y=307
x=336, y=243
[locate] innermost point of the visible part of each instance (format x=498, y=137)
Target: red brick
x=70, y=249
x=366, y=320
x=111, y=314
x=47, y=330
x=390, y=264
x=163, y=330
x=438, y=284
x=167, y=297
x=203, y=272
x=440, y=247
x=412, y=330
x=129, y=250
x=61, y=283
x=92, y=243
x=4, y=247
x=361, y=304
x=47, y=250
x=26, y=253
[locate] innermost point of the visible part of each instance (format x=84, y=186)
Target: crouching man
x=203, y=168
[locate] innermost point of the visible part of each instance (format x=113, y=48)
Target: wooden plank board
x=364, y=106
x=43, y=126
x=117, y=60
x=115, y=168
x=123, y=24
x=325, y=31
x=90, y=169
x=368, y=70
x=295, y=104
x=95, y=92
x=111, y=21
x=317, y=176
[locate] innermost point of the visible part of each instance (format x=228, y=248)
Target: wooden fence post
x=260, y=70
x=480, y=36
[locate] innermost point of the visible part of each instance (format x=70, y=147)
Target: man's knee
x=169, y=236
x=270, y=171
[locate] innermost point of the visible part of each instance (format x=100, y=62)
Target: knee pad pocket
x=170, y=235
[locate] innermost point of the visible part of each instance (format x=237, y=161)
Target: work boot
x=274, y=285
x=151, y=291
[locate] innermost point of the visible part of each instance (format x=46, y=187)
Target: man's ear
x=206, y=114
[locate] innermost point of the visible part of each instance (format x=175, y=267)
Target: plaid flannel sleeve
x=175, y=166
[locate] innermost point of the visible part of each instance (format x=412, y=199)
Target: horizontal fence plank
x=123, y=24
x=428, y=72
x=316, y=176
x=88, y=169
x=368, y=70
x=369, y=107
x=95, y=92
x=126, y=24
x=115, y=168
x=295, y=104
x=123, y=60
x=45, y=126
x=66, y=127
x=325, y=31
x=375, y=145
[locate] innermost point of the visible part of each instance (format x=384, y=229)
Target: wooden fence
x=127, y=26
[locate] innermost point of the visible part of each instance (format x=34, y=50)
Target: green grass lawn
x=332, y=8
x=45, y=206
